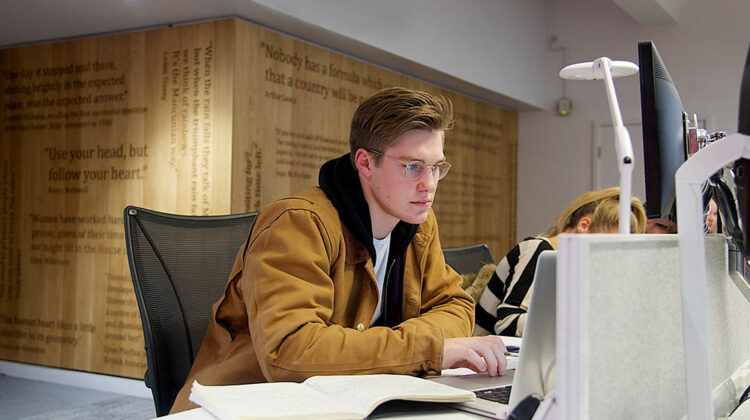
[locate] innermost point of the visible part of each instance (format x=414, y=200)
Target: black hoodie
x=340, y=181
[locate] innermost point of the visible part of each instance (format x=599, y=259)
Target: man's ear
x=583, y=225
x=363, y=162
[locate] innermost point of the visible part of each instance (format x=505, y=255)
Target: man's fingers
x=476, y=362
x=480, y=354
x=499, y=353
x=492, y=349
x=491, y=360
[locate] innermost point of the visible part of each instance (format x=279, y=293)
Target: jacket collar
x=355, y=251
x=340, y=181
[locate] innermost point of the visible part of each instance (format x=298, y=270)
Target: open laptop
x=534, y=373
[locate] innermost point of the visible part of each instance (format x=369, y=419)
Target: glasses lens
x=414, y=170
x=441, y=170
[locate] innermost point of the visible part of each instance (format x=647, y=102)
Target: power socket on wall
x=564, y=106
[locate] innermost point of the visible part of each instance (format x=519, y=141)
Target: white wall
x=495, y=45
x=704, y=53
x=490, y=49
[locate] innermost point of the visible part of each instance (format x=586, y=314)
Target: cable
x=546, y=385
x=745, y=396
x=564, y=54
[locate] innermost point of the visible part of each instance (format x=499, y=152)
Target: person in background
x=349, y=277
x=660, y=226
x=502, y=308
x=711, y=217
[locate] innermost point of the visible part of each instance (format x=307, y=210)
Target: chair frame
x=153, y=372
x=481, y=250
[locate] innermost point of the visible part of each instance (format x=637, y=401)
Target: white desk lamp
x=606, y=69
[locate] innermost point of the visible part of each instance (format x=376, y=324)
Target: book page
x=279, y=400
x=366, y=392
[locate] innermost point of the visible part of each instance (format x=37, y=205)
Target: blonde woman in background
x=502, y=308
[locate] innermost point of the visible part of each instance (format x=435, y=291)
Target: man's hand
x=480, y=354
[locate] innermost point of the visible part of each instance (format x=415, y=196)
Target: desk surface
x=409, y=409
x=400, y=409
x=391, y=410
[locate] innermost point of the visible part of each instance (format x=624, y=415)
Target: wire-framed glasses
x=415, y=169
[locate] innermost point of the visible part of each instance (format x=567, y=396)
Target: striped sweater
x=502, y=308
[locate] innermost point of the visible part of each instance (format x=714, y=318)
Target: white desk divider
x=620, y=351
x=689, y=181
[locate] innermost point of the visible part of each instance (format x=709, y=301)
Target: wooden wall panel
x=88, y=127
x=293, y=111
x=208, y=118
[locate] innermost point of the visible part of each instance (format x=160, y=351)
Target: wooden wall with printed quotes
x=209, y=118
x=293, y=108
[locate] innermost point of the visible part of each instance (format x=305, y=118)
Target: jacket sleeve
x=289, y=295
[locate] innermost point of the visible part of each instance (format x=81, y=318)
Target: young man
x=349, y=277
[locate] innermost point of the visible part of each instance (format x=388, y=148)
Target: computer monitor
x=742, y=166
x=743, y=126
x=664, y=133
x=729, y=189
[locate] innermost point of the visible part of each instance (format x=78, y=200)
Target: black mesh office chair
x=468, y=259
x=180, y=266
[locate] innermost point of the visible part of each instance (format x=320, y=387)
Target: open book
x=320, y=397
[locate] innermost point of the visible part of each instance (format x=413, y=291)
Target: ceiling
x=25, y=22
x=29, y=21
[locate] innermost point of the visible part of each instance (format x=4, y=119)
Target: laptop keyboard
x=500, y=394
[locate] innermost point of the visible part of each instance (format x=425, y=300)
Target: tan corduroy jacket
x=302, y=294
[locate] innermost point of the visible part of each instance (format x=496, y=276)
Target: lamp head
x=594, y=70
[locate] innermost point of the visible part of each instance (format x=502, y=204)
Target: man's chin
x=418, y=219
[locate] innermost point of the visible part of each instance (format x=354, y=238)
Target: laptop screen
x=536, y=361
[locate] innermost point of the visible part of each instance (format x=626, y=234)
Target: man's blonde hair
x=603, y=207
x=382, y=118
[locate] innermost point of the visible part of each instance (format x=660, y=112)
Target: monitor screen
x=664, y=131
x=742, y=166
x=744, y=120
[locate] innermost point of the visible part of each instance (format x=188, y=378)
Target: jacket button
x=360, y=327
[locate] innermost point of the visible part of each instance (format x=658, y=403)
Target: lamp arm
x=623, y=146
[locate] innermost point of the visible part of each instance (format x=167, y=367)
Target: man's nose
x=429, y=180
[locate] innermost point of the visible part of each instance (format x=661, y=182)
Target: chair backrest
x=468, y=259
x=179, y=265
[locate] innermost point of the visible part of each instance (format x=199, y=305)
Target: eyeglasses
x=415, y=169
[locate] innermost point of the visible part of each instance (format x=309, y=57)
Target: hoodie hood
x=340, y=181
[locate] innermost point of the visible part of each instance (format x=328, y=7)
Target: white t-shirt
x=382, y=246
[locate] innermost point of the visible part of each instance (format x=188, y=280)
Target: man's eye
x=414, y=166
